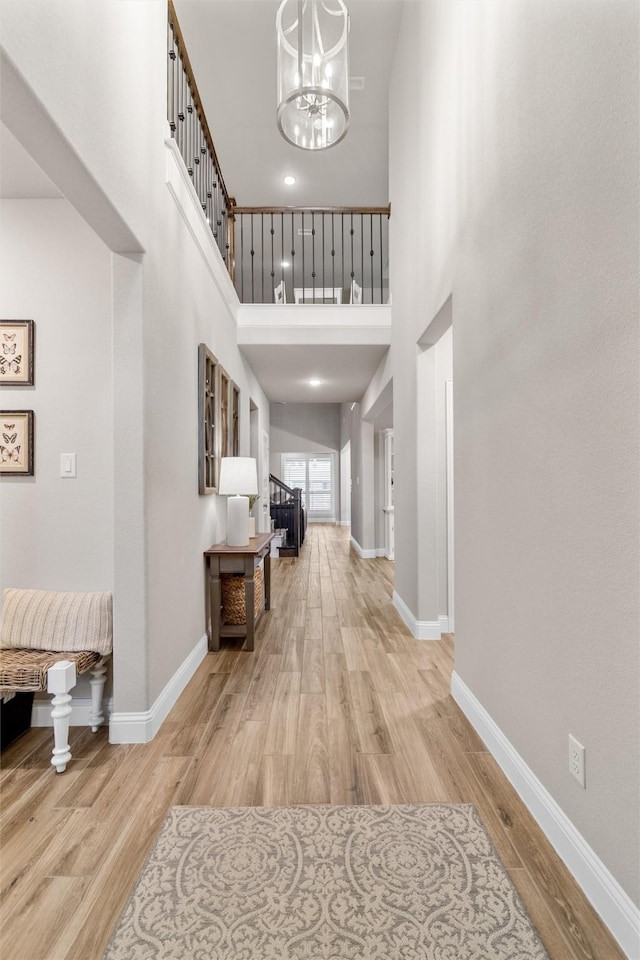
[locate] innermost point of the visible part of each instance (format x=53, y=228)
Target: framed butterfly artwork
x=16, y=443
x=17, y=353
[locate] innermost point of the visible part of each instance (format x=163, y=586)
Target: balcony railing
x=312, y=255
x=275, y=254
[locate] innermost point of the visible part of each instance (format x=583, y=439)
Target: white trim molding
x=421, y=629
x=142, y=727
x=80, y=712
x=603, y=891
x=362, y=553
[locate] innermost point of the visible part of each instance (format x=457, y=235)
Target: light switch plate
x=67, y=464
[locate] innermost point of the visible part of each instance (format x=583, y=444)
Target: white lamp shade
x=238, y=475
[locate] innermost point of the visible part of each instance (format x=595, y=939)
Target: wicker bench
x=47, y=639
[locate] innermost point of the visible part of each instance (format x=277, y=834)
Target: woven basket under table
x=233, y=602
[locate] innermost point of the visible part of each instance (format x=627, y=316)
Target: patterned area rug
x=415, y=882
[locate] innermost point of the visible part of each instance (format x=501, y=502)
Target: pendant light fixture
x=313, y=72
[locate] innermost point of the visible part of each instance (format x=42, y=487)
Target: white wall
x=379, y=489
x=517, y=191
x=57, y=534
x=434, y=368
x=346, y=464
x=166, y=300
x=185, y=308
x=372, y=414
x=303, y=428
x=361, y=435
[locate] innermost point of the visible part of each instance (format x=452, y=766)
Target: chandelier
x=313, y=72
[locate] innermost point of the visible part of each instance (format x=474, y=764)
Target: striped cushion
x=48, y=620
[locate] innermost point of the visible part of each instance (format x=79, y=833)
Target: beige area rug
x=416, y=882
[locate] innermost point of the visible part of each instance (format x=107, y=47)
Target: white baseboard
x=421, y=629
x=362, y=553
x=380, y=552
x=345, y=523
x=321, y=520
x=142, y=727
x=80, y=712
x=603, y=891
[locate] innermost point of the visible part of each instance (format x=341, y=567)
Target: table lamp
x=238, y=479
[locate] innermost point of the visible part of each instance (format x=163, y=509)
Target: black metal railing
x=312, y=255
x=287, y=511
x=190, y=131
x=275, y=254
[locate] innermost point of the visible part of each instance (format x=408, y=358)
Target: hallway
x=338, y=704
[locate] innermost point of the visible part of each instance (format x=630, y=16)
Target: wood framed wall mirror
x=235, y=419
x=218, y=419
x=224, y=409
x=208, y=419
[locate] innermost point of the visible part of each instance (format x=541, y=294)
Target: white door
x=450, y=539
x=264, y=472
x=254, y=451
x=345, y=484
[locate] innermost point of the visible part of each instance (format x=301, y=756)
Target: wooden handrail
x=282, y=485
x=383, y=211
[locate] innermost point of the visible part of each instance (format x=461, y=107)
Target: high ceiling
x=231, y=45
x=232, y=48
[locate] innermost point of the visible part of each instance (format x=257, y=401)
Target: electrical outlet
x=577, y=761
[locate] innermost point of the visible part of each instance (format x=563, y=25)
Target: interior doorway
x=264, y=471
x=435, y=456
x=254, y=451
x=345, y=485
x=450, y=505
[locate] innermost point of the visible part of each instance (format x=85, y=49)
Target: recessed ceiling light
x=285, y=263
x=315, y=382
x=289, y=180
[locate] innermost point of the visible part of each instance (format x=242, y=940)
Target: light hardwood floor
x=338, y=704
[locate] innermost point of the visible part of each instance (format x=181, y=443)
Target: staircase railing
x=287, y=511
x=191, y=132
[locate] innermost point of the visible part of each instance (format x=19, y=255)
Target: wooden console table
x=220, y=559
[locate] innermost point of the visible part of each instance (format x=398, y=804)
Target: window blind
x=315, y=475
x=320, y=486
x=295, y=475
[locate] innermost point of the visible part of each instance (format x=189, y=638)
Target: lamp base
x=238, y=521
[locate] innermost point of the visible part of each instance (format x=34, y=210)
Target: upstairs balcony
x=301, y=274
